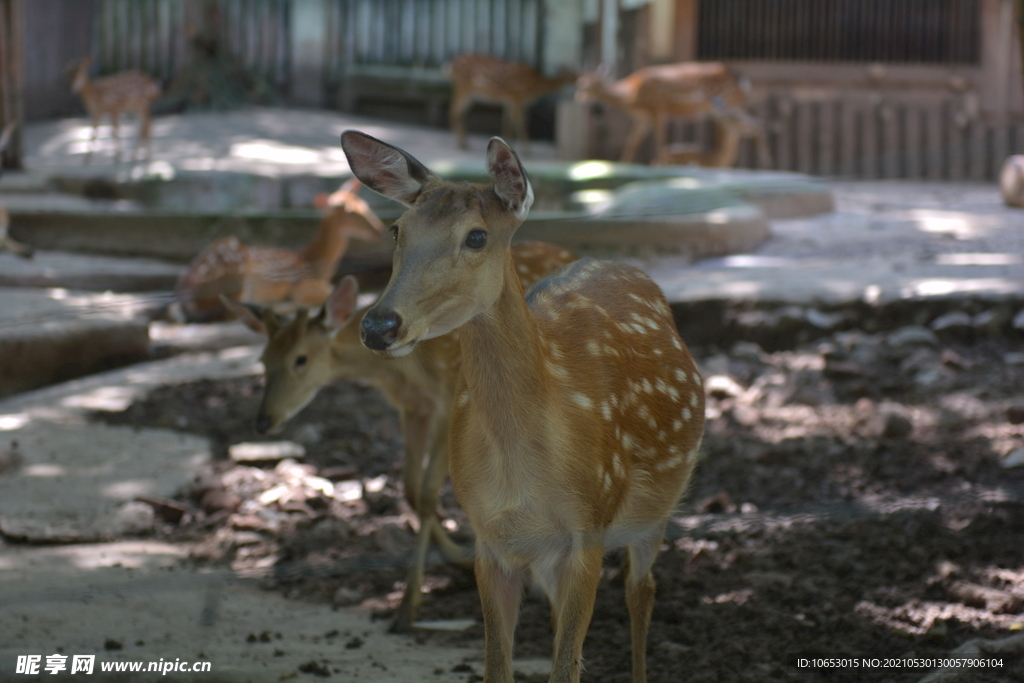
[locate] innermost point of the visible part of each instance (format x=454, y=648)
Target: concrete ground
x=75, y=580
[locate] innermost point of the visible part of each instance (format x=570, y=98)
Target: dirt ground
x=853, y=497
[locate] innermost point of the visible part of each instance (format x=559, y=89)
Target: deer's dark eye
x=476, y=239
x=300, y=361
x=394, y=232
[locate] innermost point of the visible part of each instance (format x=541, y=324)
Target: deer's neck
x=503, y=367
x=617, y=94
x=325, y=248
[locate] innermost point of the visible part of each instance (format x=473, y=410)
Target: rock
x=748, y=351
x=822, y=320
x=1014, y=458
x=912, y=335
x=133, y=519
x=267, y=452
x=722, y=386
x=896, y=425
x=1018, y=320
x=344, y=597
x=1015, y=414
x=955, y=323
x=220, y=499
x=992, y=321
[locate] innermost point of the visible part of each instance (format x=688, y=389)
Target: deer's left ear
x=249, y=314
x=383, y=168
x=510, y=181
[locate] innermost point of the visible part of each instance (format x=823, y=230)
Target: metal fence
x=893, y=31
x=427, y=33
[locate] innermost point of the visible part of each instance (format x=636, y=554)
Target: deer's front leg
x=501, y=588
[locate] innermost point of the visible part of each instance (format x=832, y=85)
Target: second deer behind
x=266, y=275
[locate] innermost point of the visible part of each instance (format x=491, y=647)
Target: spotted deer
x=127, y=91
x=652, y=94
x=578, y=412
x=483, y=78
x=305, y=353
x=265, y=275
x=731, y=125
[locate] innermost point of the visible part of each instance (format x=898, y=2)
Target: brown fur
x=483, y=78
x=578, y=413
x=127, y=91
x=420, y=385
x=264, y=275
x=652, y=94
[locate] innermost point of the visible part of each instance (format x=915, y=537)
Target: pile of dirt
x=855, y=495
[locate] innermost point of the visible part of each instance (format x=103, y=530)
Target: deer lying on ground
x=731, y=125
x=483, y=78
x=304, y=354
x=265, y=275
x=127, y=91
x=578, y=413
x=652, y=94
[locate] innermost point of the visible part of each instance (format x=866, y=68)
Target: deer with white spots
x=578, y=413
x=126, y=91
x=303, y=354
x=264, y=275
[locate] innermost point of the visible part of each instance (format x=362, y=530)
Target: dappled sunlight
x=129, y=489
x=110, y=398
x=946, y=286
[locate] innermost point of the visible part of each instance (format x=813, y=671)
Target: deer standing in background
x=483, y=78
x=303, y=354
x=652, y=94
x=578, y=413
x=731, y=125
x=265, y=275
x=127, y=91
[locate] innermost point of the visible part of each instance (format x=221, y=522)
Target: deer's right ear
x=251, y=315
x=384, y=169
x=341, y=304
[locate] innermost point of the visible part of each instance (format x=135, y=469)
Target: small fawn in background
x=305, y=353
x=652, y=94
x=578, y=413
x=483, y=78
x=731, y=125
x=127, y=91
x=266, y=275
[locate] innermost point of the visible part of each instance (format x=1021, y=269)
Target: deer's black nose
x=380, y=328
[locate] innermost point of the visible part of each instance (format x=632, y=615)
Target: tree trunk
x=11, y=91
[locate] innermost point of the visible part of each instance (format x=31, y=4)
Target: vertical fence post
x=308, y=26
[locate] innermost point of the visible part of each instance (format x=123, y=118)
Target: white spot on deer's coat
x=693, y=399
x=606, y=410
x=687, y=414
x=681, y=376
x=582, y=401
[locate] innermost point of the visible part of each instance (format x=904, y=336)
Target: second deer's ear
x=341, y=304
x=510, y=181
x=384, y=169
x=251, y=315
